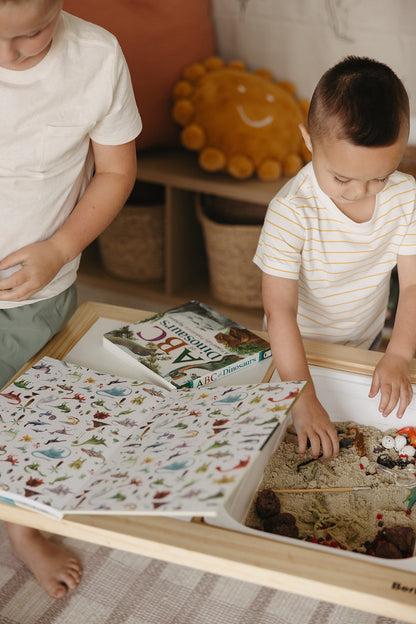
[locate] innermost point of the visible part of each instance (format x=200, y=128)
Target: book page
x=77, y=440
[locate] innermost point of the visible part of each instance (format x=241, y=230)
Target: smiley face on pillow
x=240, y=122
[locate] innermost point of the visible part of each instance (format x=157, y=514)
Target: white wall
x=299, y=39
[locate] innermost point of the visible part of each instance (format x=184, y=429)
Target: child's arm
x=392, y=375
x=115, y=173
x=280, y=298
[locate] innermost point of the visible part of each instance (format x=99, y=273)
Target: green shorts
x=26, y=329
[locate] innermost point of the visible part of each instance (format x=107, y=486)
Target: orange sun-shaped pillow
x=240, y=122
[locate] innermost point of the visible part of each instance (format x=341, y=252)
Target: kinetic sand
x=356, y=520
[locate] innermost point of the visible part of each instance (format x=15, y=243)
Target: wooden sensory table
x=321, y=575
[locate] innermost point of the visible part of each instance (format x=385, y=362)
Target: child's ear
x=306, y=136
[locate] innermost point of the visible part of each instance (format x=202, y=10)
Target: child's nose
x=358, y=190
x=8, y=52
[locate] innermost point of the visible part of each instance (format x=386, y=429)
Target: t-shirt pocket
x=64, y=146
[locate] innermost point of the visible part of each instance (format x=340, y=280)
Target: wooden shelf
x=186, y=274
x=179, y=168
x=92, y=274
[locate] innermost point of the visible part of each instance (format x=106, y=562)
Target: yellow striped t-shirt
x=343, y=267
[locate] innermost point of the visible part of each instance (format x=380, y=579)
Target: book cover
x=188, y=346
x=76, y=441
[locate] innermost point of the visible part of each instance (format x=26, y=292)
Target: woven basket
x=232, y=211
x=230, y=248
x=132, y=247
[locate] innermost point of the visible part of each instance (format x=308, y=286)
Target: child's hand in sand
x=392, y=379
x=312, y=423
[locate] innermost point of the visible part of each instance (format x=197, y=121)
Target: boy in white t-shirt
x=67, y=166
x=332, y=236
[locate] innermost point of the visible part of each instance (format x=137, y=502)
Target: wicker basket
x=132, y=247
x=230, y=248
x=232, y=211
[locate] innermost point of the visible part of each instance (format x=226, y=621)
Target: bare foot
x=54, y=568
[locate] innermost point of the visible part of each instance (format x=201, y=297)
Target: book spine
x=263, y=355
x=21, y=501
x=227, y=370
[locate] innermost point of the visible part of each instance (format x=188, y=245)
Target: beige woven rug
x=122, y=588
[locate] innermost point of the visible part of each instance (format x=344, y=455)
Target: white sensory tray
x=345, y=397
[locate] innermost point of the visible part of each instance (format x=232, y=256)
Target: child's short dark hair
x=364, y=99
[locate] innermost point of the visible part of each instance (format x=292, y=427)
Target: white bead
x=408, y=450
x=387, y=442
x=399, y=442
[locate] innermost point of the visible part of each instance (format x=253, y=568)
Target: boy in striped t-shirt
x=332, y=236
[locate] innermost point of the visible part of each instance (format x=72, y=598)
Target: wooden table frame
x=321, y=575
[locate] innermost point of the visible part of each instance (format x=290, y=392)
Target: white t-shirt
x=80, y=90
x=343, y=267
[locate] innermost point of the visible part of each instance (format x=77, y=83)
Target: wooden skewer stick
x=328, y=489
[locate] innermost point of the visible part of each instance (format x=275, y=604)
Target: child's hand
x=312, y=422
x=392, y=379
x=39, y=263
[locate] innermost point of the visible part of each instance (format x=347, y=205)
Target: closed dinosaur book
x=77, y=441
x=187, y=346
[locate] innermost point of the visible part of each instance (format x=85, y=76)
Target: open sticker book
x=73, y=440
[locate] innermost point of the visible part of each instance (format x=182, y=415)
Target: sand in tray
x=348, y=520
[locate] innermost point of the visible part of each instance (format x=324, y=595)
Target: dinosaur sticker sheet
x=74, y=440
